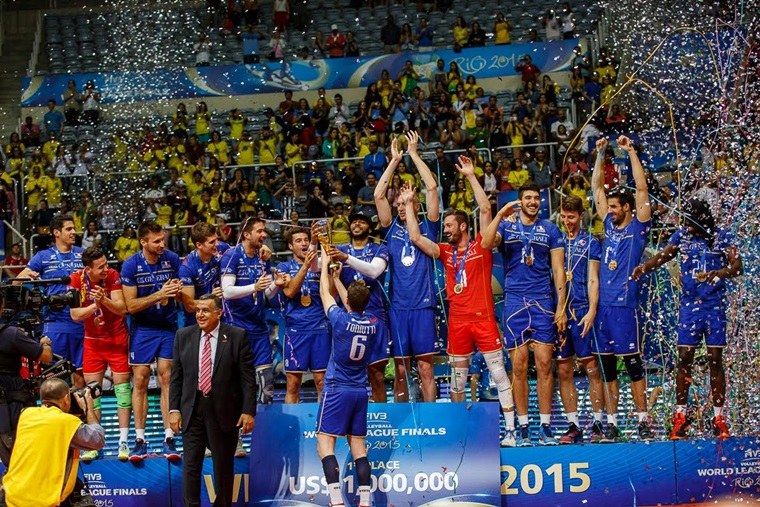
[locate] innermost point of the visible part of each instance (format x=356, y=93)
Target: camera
x=95, y=391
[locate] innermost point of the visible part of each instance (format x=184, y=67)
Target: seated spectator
x=14, y=141
x=502, y=174
x=407, y=39
x=366, y=197
x=519, y=175
x=579, y=186
x=41, y=219
x=374, y=162
x=335, y=43
x=617, y=122
x=460, y=32
x=562, y=119
x=541, y=170
x=501, y=28
x=390, y=35
x=352, y=182
x=532, y=36
x=91, y=236
x=563, y=139
x=30, y=133
x=477, y=36
x=575, y=163
x=316, y=204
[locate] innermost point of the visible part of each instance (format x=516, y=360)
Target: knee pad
x=495, y=363
x=635, y=367
x=609, y=367
x=363, y=471
x=96, y=404
x=123, y=395
x=458, y=379
x=265, y=379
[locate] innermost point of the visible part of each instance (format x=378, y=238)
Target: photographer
x=43, y=468
x=15, y=392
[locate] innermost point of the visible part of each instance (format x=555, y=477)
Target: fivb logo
x=240, y=481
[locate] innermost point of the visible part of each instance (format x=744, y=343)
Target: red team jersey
x=475, y=302
x=113, y=326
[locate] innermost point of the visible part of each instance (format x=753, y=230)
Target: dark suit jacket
x=233, y=379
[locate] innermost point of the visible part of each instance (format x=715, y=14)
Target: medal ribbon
x=526, y=240
x=67, y=266
x=98, y=313
x=459, y=268
x=144, y=262
x=248, y=267
x=571, y=246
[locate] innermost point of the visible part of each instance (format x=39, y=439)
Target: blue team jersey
x=523, y=282
x=697, y=256
x=353, y=336
x=623, y=248
x=204, y=276
x=50, y=263
x=299, y=318
x=376, y=304
x=578, y=253
x=411, y=270
x=148, y=278
x=246, y=312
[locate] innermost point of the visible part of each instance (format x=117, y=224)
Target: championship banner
x=112, y=482
x=421, y=454
x=298, y=75
x=583, y=475
x=714, y=470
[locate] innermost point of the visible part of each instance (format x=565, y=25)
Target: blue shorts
x=147, y=344
x=525, y=323
x=306, y=351
x=261, y=348
x=413, y=332
x=381, y=349
x=343, y=413
x=617, y=331
x=697, y=319
x=68, y=345
x=571, y=343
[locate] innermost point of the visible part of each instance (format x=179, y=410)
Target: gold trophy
x=324, y=235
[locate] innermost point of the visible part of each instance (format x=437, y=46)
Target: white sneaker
x=509, y=439
x=207, y=454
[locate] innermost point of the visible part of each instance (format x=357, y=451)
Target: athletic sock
x=572, y=417
x=612, y=419
x=123, y=434
x=509, y=419
x=545, y=418
x=522, y=420
x=336, y=497
x=364, y=495
x=140, y=434
x=168, y=433
x=598, y=416
x=643, y=416
x=717, y=411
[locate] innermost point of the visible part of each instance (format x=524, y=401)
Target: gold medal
x=528, y=260
x=305, y=300
x=612, y=265
x=569, y=275
x=458, y=288
x=701, y=276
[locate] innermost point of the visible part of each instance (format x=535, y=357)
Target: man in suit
x=212, y=395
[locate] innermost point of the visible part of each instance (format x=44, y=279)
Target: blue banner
x=582, y=475
x=714, y=470
x=420, y=453
x=303, y=75
x=115, y=483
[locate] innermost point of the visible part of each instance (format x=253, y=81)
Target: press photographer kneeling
x=45, y=458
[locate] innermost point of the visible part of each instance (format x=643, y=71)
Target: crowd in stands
x=313, y=156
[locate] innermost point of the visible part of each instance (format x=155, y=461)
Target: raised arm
x=325, y=280
x=433, y=203
x=384, y=212
x=427, y=246
x=643, y=204
x=597, y=179
x=490, y=235
x=465, y=169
